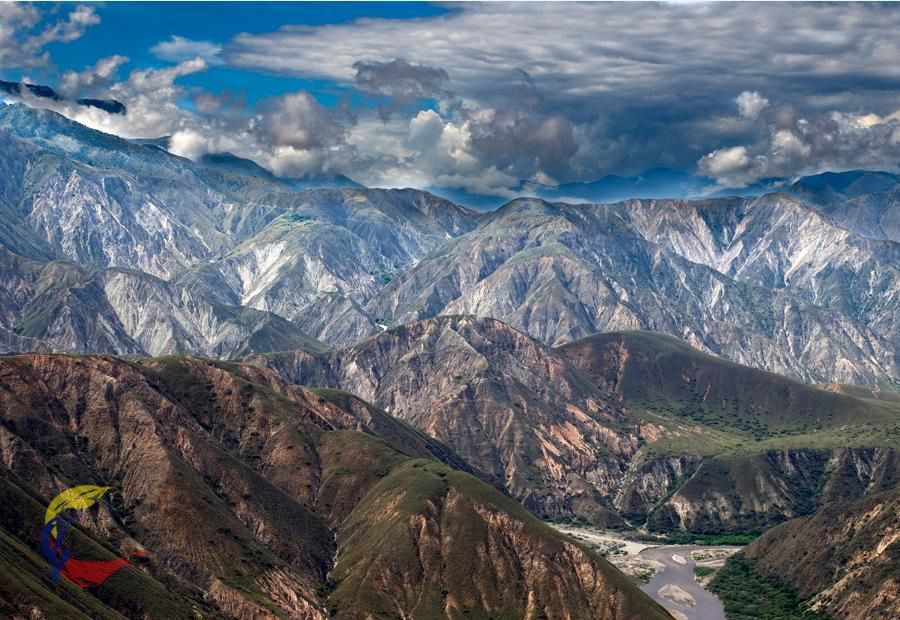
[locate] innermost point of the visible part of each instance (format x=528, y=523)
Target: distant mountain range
x=656, y=183
x=653, y=183
x=828, y=188
x=803, y=282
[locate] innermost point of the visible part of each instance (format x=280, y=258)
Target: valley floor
x=668, y=571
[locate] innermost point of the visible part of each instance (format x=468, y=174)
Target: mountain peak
x=229, y=162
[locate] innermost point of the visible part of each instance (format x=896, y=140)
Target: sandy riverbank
x=667, y=571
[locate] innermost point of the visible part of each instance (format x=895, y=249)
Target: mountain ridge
x=560, y=272
x=758, y=280
x=617, y=426
x=842, y=558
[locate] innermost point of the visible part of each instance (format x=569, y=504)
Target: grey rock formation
x=766, y=282
x=62, y=307
x=808, y=291
x=191, y=251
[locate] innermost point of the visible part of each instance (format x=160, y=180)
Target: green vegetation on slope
x=713, y=540
x=25, y=584
x=710, y=405
x=847, y=550
x=25, y=575
x=460, y=539
x=743, y=448
x=747, y=595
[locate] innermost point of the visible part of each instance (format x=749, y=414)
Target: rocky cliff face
x=330, y=253
x=845, y=557
x=781, y=244
x=62, y=307
x=247, y=497
x=634, y=425
x=256, y=242
x=752, y=492
x=751, y=280
x=509, y=405
x=99, y=200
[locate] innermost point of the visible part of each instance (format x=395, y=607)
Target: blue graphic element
x=55, y=552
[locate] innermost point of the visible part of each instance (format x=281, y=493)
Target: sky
x=484, y=98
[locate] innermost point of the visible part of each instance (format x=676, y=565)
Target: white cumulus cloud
x=725, y=162
x=751, y=104
x=75, y=83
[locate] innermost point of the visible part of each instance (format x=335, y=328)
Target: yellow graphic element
x=76, y=498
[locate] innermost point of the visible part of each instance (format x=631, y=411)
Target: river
x=678, y=571
x=672, y=583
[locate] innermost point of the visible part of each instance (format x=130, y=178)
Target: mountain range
x=314, y=501
x=771, y=281
x=356, y=402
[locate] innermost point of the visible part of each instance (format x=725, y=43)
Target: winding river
x=672, y=584
x=677, y=577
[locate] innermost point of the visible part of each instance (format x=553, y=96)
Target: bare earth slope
x=253, y=498
x=845, y=557
x=633, y=424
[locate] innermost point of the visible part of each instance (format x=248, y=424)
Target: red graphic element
x=87, y=574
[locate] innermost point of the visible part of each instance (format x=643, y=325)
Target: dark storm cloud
x=399, y=78
x=624, y=87
x=563, y=91
x=400, y=82
x=299, y=121
x=523, y=134
x=786, y=144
